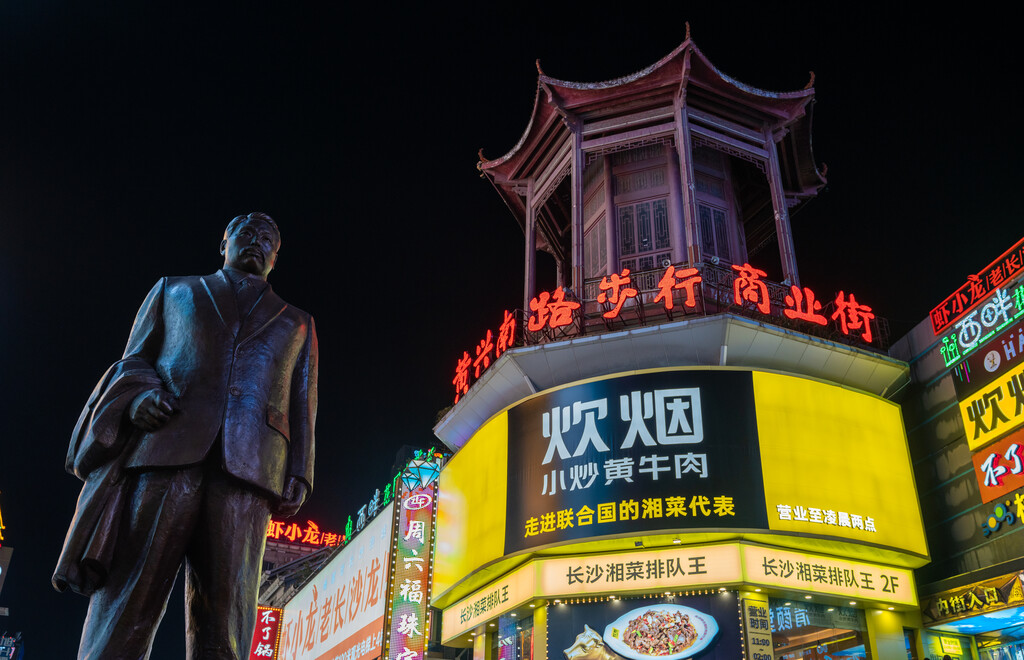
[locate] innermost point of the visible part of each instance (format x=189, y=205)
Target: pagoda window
x=642, y=200
x=595, y=249
x=719, y=234
x=644, y=241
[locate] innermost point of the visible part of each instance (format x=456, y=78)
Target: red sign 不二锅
x=999, y=468
x=267, y=634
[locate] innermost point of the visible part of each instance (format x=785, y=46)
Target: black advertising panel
x=664, y=450
x=705, y=627
x=984, y=366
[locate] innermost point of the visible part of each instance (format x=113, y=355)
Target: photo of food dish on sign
x=671, y=628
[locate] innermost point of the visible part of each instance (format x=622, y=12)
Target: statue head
x=251, y=243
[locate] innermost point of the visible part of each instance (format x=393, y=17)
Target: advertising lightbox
x=410, y=622
x=633, y=454
x=999, y=468
x=339, y=615
x=642, y=628
x=994, y=410
x=267, y=634
x=836, y=463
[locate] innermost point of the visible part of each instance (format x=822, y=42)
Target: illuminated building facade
x=674, y=429
x=964, y=411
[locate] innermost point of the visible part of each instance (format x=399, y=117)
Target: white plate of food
x=665, y=632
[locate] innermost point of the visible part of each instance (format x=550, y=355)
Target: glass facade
x=816, y=632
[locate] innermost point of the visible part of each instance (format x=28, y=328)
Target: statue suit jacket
x=251, y=381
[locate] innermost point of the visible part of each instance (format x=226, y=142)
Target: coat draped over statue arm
x=96, y=455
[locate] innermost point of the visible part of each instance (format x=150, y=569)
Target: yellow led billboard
x=471, y=505
x=712, y=451
x=835, y=463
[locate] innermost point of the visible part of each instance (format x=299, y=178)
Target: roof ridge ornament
x=810, y=83
x=687, y=31
x=539, y=70
x=480, y=155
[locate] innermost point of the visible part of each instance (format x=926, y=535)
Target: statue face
x=251, y=247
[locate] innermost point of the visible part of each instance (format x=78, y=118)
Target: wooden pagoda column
x=530, y=281
x=576, y=126
x=610, y=221
x=787, y=255
x=683, y=149
x=676, y=204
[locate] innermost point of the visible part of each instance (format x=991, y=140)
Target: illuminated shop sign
x=267, y=634
x=650, y=451
x=993, y=411
x=673, y=569
x=550, y=310
x=496, y=598
x=978, y=287
x=976, y=328
x=410, y=622
x=339, y=614
x=682, y=567
x=795, y=570
x=982, y=367
x=308, y=534
x=978, y=598
x=999, y=468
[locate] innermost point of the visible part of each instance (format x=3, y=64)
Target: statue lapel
x=266, y=309
x=222, y=295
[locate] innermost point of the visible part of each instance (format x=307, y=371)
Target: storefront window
x=514, y=640
x=1008, y=652
x=816, y=632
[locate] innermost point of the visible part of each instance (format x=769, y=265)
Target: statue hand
x=295, y=493
x=151, y=410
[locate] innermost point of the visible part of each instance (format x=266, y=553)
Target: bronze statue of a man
x=186, y=446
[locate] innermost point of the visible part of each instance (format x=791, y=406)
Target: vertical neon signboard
x=267, y=634
x=412, y=573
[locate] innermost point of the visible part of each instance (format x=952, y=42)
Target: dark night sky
x=130, y=135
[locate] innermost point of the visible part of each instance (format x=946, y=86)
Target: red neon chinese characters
x=684, y=279
x=461, y=380
x=619, y=292
x=312, y=534
x=749, y=287
x=292, y=532
x=506, y=335
x=483, y=354
x=803, y=306
x=853, y=316
x=552, y=310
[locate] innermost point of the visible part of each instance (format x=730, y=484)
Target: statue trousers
x=214, y=523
